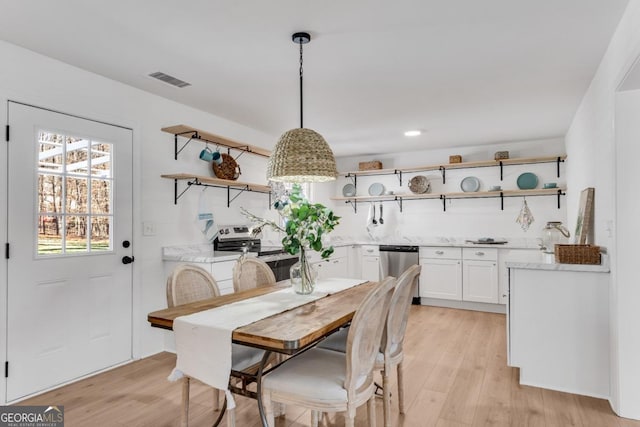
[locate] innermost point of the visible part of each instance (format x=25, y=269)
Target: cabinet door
x=371, y=268
x=322, y=269
x=354, y=262
x=338, y=267
x=480, y=281
x=441, y=278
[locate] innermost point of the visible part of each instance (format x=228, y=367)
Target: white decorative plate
x=470, y=184
x=376, y=189
x=349, y=190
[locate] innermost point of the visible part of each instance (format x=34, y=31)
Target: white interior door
x=69, y=215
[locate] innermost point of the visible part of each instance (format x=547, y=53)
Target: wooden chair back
x=365, y=332
x=249, y=273
x=396, y=325
x=188, y=283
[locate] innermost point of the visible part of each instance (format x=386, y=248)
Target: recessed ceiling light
x=412, y=133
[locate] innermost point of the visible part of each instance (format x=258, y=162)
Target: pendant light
x=301, y=154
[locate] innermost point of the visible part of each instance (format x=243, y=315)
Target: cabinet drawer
x=480, y=254
x=370, y=250
x=439, y=252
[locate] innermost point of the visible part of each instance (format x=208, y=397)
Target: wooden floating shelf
x=219, y=182
x=478, y=164
x=208, y=181
x=193, y=133
x=399, y=198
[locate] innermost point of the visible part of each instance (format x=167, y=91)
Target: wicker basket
x=577, y=254
x=228, y=169
x=367, y=166
x=455, y=158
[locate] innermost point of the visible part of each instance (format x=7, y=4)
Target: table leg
x=263, y=363
x=222, y=411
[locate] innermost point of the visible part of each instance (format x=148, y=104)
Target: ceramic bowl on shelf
x=550, y=185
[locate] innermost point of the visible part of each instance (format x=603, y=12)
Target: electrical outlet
x=148, y=228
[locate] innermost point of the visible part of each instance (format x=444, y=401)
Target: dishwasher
x=395, y=259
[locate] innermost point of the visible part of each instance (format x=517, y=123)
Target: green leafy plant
x=305, y=223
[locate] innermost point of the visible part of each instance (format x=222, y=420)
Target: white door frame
x=54, y=103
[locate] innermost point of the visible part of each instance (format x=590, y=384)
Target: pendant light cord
x=301, y=125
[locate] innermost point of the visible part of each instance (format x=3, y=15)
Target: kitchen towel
x=205, y=218
x=203, y=340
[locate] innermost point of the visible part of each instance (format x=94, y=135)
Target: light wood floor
x=455, y=370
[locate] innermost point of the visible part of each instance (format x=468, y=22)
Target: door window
x=75, y=200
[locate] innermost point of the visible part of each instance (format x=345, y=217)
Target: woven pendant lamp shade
x=302, y=155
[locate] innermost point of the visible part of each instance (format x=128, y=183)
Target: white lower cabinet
x=370, y=263
x=480, y=275
x=441, y=276
x=459, y=274
x=336, y=265
x=222, y=272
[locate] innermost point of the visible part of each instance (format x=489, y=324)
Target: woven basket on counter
x=577, y=254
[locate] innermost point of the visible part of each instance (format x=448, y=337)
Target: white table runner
x=203, y=340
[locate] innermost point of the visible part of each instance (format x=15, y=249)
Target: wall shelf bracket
x=558, y=161
x=501, y=165
x=399, y=173
x=501, y=193
x=354, y=178
x=444, y=201
x=354, y=205
x=443, y=172
x=177, y=151
x=399, y=200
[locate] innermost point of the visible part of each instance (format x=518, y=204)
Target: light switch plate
x=148, y=228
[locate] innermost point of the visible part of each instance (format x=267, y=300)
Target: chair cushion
x=243, y=356
x=336, y=341
x=316, y=375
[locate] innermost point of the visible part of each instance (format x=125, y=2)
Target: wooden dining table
x=289, y=332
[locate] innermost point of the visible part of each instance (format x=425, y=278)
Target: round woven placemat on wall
x=228, y=169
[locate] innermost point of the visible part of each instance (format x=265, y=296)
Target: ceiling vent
x=169, y=79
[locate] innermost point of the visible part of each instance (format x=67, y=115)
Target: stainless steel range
x=237, y=238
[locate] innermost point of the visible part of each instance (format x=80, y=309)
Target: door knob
x=127, y=259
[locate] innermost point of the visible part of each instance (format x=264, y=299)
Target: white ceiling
x=466, y=72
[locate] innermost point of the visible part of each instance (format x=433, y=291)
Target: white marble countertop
x=515, y=243
x=197, y=253
x=546, y=262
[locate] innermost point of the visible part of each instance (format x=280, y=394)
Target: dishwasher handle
x=398, y=248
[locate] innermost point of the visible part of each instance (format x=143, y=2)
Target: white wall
x=592, y=139
x=463, y=218
x=38, y=80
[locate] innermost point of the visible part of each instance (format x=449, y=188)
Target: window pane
x=77, y=158
x=49, y=193
x=76, y=234
x=100, y=233
x=50, y=151
x=100, y=196
x=77, y=195
x=101, y=160
x=50, y=234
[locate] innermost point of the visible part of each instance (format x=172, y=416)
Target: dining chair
x=328, y=381
x=391, y=348
x=189, y=283
x=249, y=273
